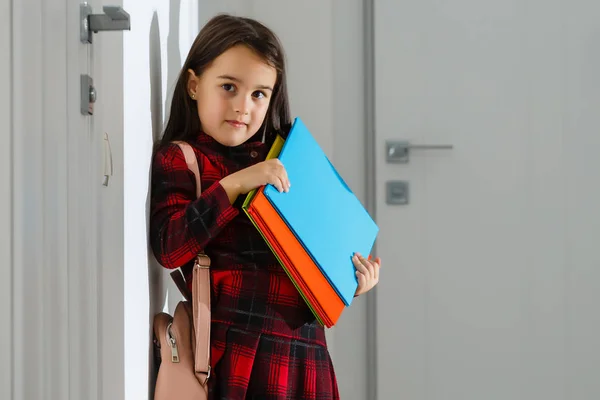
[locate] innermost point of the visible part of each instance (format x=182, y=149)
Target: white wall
x=323, y=42
x=162, y=32
x=5, y=199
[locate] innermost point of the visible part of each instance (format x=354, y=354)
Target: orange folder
x=307, y=276
x=313, y=286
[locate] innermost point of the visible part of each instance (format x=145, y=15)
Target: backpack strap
x=200, y=298
x=192, y=163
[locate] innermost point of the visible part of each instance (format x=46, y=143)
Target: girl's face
x=233, y=95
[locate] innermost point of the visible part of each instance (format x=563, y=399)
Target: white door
x=491, y=279
x=67, y=266
x=6, y=374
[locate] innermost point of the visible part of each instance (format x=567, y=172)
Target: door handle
x=113, y=19
x=397, y=151
x=108, y=160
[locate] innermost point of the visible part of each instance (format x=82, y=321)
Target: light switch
x=397, y=192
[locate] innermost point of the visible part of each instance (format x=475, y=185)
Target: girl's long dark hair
x=217, y=36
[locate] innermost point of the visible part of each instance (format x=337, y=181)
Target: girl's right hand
x=263, y=173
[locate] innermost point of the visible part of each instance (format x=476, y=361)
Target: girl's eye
x=228, y=87
x=259, y=95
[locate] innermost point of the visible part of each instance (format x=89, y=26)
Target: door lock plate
x=397, y=192
x=88, y=95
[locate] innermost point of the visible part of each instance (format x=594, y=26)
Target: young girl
x=229, y=103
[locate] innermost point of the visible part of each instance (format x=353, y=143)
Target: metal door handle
x=113, y=19
x=398, y=151
x=116, y=13
x=108, y=160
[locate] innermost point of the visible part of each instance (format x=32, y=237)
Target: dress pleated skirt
x=258, y=366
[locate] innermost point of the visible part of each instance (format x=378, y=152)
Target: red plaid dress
x=265, y=342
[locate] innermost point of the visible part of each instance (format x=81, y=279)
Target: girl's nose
x=242, y=107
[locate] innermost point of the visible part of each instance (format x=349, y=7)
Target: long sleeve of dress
x=181, y=225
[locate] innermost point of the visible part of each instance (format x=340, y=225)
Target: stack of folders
x=316, y=227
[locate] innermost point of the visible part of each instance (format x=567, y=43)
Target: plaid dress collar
x=242, y=156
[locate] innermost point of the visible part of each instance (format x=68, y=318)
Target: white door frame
x=370, y=184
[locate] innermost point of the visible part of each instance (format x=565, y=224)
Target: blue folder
x=321, y=210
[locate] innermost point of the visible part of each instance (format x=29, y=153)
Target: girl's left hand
x=367, y=272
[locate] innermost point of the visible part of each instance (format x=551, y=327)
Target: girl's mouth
x=236, y=124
